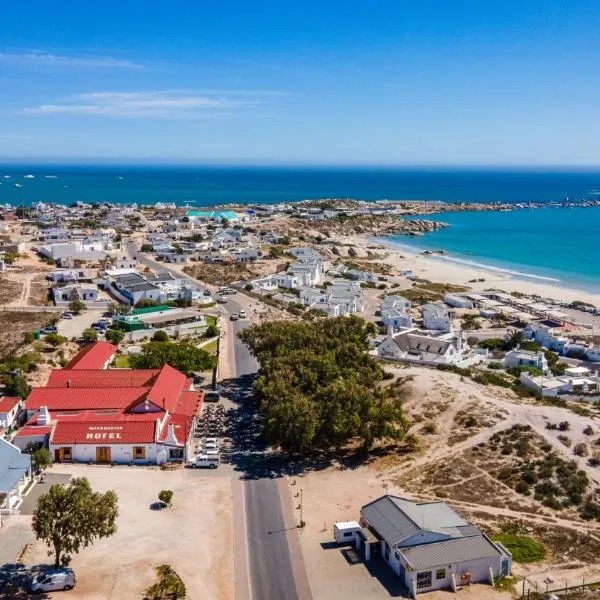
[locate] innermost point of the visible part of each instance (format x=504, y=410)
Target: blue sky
x=412, y=83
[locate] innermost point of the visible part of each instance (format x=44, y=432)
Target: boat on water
x=29, y=176
x=19, y=185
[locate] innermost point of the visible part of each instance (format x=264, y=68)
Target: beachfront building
x=429, y=546
x=127, y=416
x=341, y=298
x=525, y=358
x=413, y=345
x=394, y=312
x=456, y=301
x=576, y=380
x=436, y=317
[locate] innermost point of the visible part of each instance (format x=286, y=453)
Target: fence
x=545, y=590
x=49, y=309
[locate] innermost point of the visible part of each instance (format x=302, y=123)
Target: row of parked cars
x=209, y=456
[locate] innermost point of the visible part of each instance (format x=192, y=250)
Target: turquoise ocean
x=555, y=243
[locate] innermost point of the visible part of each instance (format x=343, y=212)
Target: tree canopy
x=183, y=356
x=71, y=517
x=317, y=386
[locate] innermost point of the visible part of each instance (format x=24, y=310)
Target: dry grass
x=15, y=324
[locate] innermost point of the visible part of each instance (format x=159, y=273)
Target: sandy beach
x=442, y=270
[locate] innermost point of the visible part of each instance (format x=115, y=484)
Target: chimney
x=68, y=383
x=43, y=417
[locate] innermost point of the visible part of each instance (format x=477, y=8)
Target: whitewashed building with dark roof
x=429, y=546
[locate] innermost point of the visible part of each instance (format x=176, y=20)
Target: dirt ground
x=14, y=324
x=451, y=417
x=194, y=536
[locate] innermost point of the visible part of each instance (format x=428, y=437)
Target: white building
x=430, y=547
x=15, y=476
x=436, y=317
x=525, y=358
x=395, y=318
x=456, y=301
x=417, y=346
x=9, y=409
x=576, y=380
x=69, y=275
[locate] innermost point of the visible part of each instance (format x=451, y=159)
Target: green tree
x=147, y=248
x=211, y=331
x=514, y=338
x=54, y=339
x=69, y=518
x=114, y=336
x=41, y=459
x=166, y=496
x=183, y=356
x=89, y=335
x=160, y=336
x=28, y=337
x=318, y=388
x=16, y=385
x=77, y=306
x=168, y=587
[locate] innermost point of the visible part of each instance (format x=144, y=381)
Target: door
x=58, y=454
x=103, y=454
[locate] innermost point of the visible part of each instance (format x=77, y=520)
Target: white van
x=345, y=532
x=51, y=581
x=204, y=461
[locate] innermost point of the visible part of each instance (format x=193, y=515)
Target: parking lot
x=194, y=536
x=72, y=328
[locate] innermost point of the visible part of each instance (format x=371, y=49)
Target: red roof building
x=113, y=415
x=93, y=356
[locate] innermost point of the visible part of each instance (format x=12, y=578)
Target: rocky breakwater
x=375, y=226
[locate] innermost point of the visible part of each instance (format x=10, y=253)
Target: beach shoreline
x=443, y=269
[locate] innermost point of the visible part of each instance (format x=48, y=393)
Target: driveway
x=73, y=328
x=39, y=488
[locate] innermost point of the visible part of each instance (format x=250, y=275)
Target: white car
x=210, y=446
x=212, y=452
x=204, y=461
x=242, y=314
x=57, y=579
x=211, y=440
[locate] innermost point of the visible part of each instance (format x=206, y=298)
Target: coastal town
x=137, y=354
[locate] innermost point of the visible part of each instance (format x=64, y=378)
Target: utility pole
x=301, y=520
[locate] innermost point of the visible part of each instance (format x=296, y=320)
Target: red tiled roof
x=33, y=430
x=103, y=432
x=7, y=403
x=92, y=356
x=189, y=403
x=105, y=378
x=167, y=387
x=84, y=398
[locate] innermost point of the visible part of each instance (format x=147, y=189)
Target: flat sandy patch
x=194, y=536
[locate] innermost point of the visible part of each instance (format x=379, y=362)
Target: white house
x=429, y=546
x=359, y=275
x=436, y=317
x=395, y=318
x=268, y=283
x=394, y=301
x=525, y=358
x=416, y=346
x=456, y=301
x=69, y=275
x=15, y=476
x=307, y=273
x=77, y=291
x=342, y=297
x=9, y=409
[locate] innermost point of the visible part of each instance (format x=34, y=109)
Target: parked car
x=204, y=461
x=206, y=293
x=242, y=314
x=222, y=300
x=99, y=326
x=233, y=317
x=49, y=329
x=212, y=397
x=66, y=315
x=210, y=446
x=56, y=579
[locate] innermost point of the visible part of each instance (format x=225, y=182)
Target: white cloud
x=45, y=59
x=159, y=104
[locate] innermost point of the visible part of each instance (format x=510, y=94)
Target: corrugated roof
x=105, y=378
x=7, y=403
x=104, y=432
x=13, y=465
x=150, y=309
x=167, y=386
x=92, y=356
x=84, y=398
x=428, y=556
x=388, y=520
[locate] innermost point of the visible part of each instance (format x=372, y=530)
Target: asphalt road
x=270, y=568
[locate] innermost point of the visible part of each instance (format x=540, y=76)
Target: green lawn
x=212, y=347
x=122, y=361
x=524, y=549
x=211, y=320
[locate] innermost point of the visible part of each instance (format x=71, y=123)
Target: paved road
x=271, y=572
x=270, y=565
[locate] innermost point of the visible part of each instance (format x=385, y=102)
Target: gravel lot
x=194, y=536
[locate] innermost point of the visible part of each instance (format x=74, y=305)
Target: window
x=424, y=580
x=440, y=574
x=176, y=453
x=67, y=454
x=397, y=555
x=139, y=452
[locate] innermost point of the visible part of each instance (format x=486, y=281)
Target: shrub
x=522, y=488
x=429, y=428
x=166, y=496
x=524, y=549
x=160, y=336
x=495, y=365
x=588, y=430
x=580, y=449
x=565, y=440
x=564, y=426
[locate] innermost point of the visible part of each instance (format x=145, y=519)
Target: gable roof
x=167, y=387
x=7, y=403
x=84, y=398
x=105, y=432
x=92, y=356
x=106, y=378
x=427, y=556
